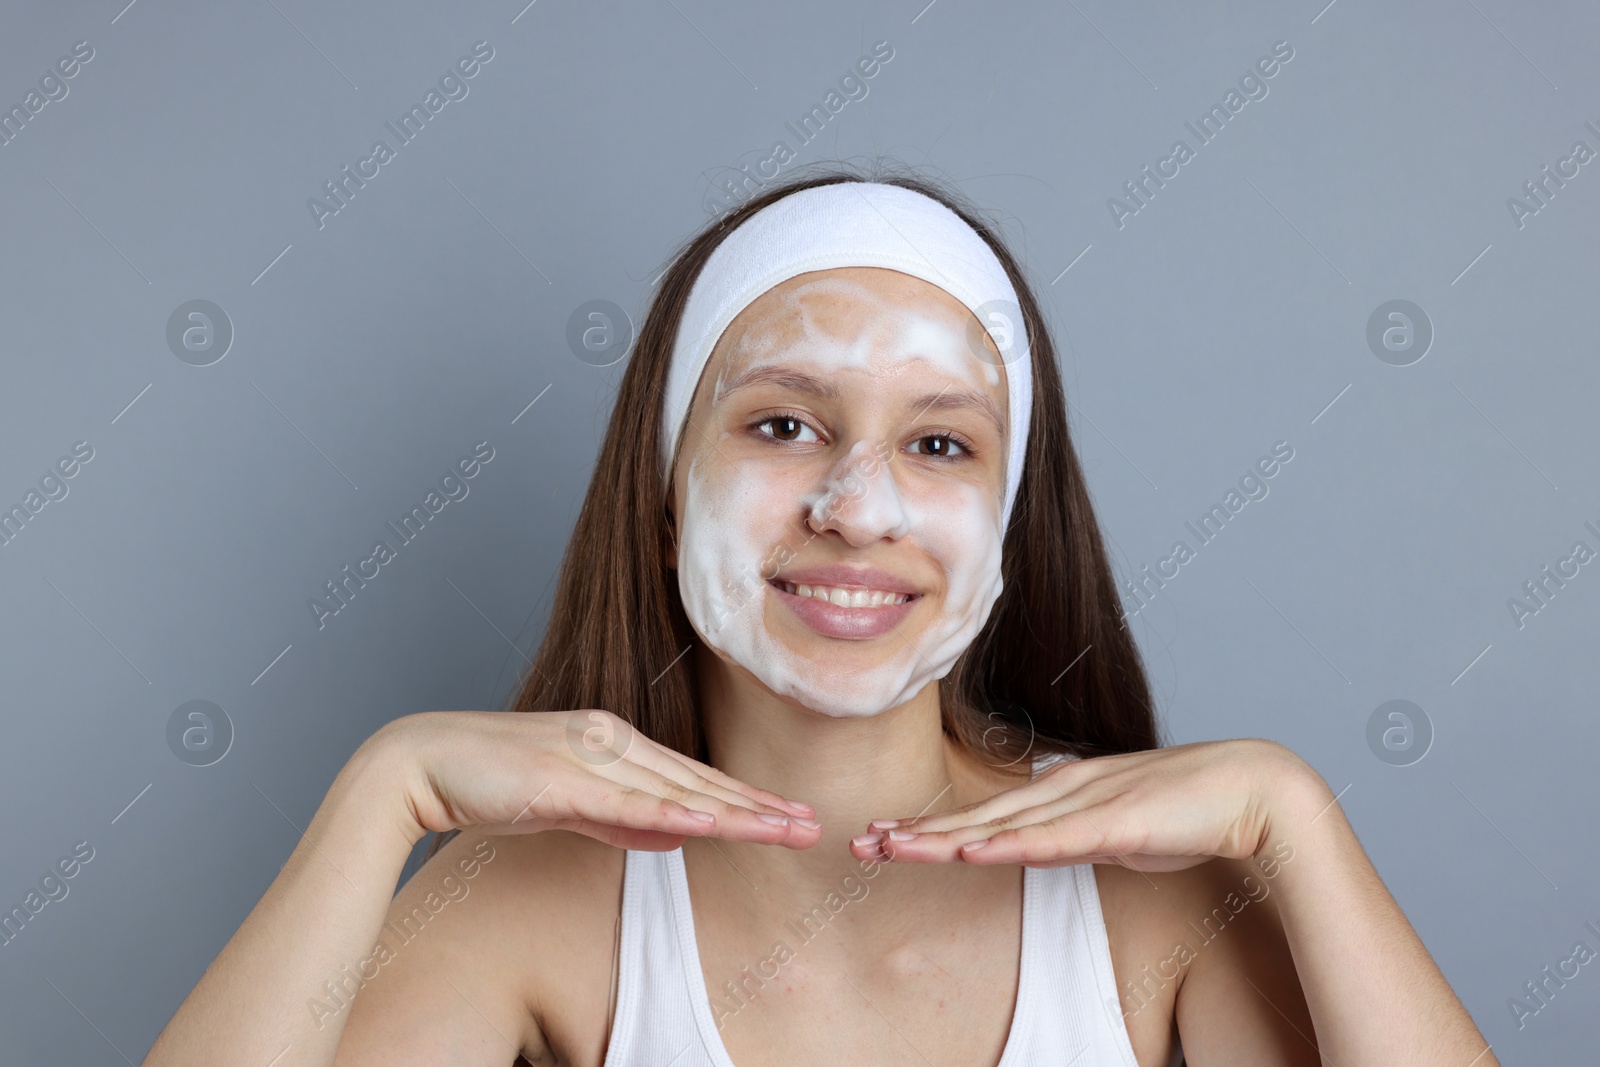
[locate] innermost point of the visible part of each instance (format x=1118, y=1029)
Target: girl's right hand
x=585, y=771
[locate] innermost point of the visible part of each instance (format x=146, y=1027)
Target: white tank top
x=1067, y=1008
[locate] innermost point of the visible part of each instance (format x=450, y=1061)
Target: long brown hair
x=1055, y=669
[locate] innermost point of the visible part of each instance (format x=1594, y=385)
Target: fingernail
x=702, y=816
x=866, y=840
x=883, y=824
x=800, y=805
x=809, y=824
x=901, y=835
x=775, y=820
x=973, y=846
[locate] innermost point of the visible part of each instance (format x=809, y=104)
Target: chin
x=840, y=683
x=842, y=702
x=795, y=655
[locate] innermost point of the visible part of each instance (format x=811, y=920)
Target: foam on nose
x=861, y=489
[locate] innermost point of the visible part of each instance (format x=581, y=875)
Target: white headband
x=852, y=224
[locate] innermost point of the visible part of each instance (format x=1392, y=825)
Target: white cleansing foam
x=736, y=516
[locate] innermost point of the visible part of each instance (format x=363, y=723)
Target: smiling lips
x=844, y=598
x=846, y=603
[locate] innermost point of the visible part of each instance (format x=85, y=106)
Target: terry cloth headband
x=852, y=224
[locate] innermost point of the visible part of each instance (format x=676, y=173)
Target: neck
x=894, y=765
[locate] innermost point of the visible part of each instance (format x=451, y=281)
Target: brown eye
x=938, y=445
x=786, y=428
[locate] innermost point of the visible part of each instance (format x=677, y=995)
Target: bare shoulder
x=1202, y=951
x=1143, y=913
x=498, y=946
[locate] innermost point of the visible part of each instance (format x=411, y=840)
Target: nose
x=858, y=500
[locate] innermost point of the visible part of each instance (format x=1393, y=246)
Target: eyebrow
x=799, y=381
x=944, y=400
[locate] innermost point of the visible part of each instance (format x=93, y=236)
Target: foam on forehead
x=792, y=330
x=852, y=224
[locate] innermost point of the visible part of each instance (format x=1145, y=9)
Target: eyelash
x=967, y=449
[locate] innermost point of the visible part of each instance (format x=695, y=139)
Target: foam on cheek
x=719, y=561
x=730, y=524
x=722, y=564
x=733, y=521
x=965, y=538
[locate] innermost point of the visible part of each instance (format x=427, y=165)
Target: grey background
x=1227, y=315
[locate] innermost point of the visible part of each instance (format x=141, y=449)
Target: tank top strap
x=656, y=1018
x=1074, y=974
x=1046, y=760
x=1067, y=971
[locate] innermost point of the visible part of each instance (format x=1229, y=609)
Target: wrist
x=1291, y=795
x=377, y=779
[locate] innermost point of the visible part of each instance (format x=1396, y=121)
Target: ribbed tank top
x=1067, y=1008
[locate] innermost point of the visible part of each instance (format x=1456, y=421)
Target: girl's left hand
x=1158, y=810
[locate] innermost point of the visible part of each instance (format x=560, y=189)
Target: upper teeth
x=846, y=598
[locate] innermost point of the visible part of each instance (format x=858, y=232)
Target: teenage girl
x=837, y=748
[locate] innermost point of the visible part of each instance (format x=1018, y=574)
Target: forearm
x=1375, y=995
x=322, y=912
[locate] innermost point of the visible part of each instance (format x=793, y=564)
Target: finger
x=1063, y=819
x=755, y=792
x=623, y=741
x=628, y=838
x=1072, y=837
x=1005, y=802
x=869, y=849
x=735, y=810
x=1060, y=780
x=592, y=805
x=708, y=780
x=733, y=822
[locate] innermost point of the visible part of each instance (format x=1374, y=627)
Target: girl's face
x=838, y=489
